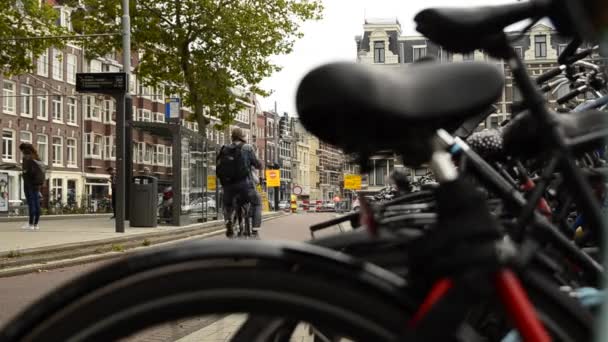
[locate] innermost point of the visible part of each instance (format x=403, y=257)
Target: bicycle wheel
x=200, y=279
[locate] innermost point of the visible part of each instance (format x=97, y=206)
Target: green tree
x=20, y=21
x=202, y=48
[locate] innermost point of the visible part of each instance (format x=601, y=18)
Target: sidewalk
x=21, y=251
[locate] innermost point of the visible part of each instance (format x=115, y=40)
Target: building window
x=42, y=142
x=561, y=48
x=57, y=107
x=520, y=51
x=149, y=151
x=71, y=152
x=378, y=52
x=27, y=102
x=494, y=120
x=144, y=115
x=109, y=110
x=57, y=190
x=57, y=151
x=169, y=152
x=65, y=19
x=93, y=109
x=72, y=65
x=72, y=115
x=94, y=145
x=445, y=56
x=25, y=137
x=109, y=148
x=419, y=52
x=8, y=145
x=540, y=46
x=57, y=65
x=43, y=106
x=43, y=64
x=160, y=155
x=468, y=56
x=8, y=92
x=94, y=66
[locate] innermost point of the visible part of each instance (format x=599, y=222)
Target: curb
x=54, y=217
x=45, y=258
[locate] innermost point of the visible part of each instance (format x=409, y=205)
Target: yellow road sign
x=211, y=183
x=273, y=178
x=352, y=182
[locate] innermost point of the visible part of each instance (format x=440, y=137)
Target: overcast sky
x=333, y=39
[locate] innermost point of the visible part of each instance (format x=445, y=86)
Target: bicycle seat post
x=441, y=161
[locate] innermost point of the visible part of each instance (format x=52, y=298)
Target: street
x=18, y=292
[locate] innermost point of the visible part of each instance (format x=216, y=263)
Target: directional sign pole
x=121, y=143
x=120, y=165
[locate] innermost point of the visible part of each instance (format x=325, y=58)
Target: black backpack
x=231, y=166
x=38, y=172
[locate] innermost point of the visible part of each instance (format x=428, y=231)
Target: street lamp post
x=121, y=185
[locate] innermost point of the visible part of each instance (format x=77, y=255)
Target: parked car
x=284, y=205
x=199, y=204
x=329, y=205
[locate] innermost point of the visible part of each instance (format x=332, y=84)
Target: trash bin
x=144, y=202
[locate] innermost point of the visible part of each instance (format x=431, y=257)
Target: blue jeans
x=32, y=196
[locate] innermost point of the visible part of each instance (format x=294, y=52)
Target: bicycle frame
x=512, y=294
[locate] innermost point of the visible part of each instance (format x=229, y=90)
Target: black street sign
x=101, y=82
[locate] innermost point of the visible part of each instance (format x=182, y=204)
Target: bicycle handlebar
x=550, y=74
x=571, y=95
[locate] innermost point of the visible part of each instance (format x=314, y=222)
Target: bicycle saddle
x=366, y=108
x=466, y=29
x=585, y=131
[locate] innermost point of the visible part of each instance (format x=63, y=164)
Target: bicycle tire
x=152, y=288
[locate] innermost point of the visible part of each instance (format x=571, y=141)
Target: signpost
x=114, y=84
x=352, y=182
x=211, y=183
x=172, y=106
x=101, y=82
x=273, y=178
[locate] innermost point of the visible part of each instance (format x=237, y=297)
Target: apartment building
x=383, y=44
x=301, y=164
x=331, y=161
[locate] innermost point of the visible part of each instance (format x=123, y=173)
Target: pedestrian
x=33, y=178
x=112, y=173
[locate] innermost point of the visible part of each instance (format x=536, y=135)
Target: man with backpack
x=234, y=164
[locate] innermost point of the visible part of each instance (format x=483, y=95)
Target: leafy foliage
x=203, y=48
x=26, y=19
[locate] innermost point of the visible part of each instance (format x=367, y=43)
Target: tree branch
x=157, y=13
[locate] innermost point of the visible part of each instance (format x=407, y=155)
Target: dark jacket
x=28, y=164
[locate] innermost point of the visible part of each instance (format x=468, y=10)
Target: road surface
x=18, y=292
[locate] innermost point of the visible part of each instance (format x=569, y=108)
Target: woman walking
x=33, y=178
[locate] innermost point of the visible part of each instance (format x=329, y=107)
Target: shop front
x=65, y=191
